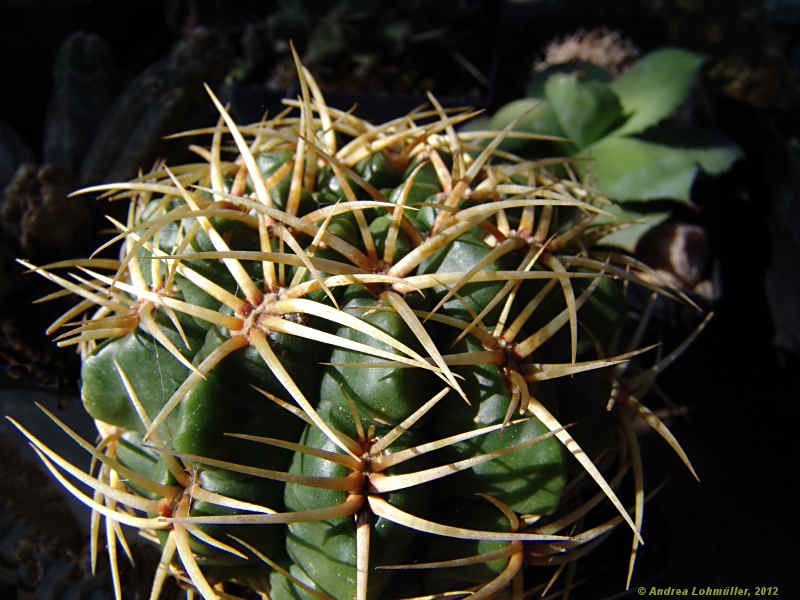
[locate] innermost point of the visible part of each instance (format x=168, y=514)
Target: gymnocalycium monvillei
x=333, y=352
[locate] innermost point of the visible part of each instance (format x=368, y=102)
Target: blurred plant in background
x=620, y=129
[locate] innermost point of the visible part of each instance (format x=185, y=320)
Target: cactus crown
x=334, y=337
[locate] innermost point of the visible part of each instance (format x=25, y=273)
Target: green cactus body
x=529, y=480
x=303, y=361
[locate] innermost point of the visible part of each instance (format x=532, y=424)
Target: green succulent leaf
x=586, y=71
x=654, y=87
x=585, y=110
x=537, y=116
x=713, y=152
x=636, y=224
x=632, y=169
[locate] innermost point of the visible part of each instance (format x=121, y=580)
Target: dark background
x=739, y=381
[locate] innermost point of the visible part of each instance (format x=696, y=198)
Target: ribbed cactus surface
x=332, y=359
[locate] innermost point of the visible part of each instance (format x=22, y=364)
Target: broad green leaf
x=585, y=110
x=654, y=87
x=715, y=160
x=629, y=169
x=540, y=118
x=584, y=70
x=713, y=152
x=639, y=224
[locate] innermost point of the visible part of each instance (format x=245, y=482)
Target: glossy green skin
x=530, y=480
x=326, y=550
x=379, y=227
x=215, y=406
x=421, y=194
x=383, y=397
x=459, y=256
x=130, y=452
x=103, y=393
x=377, y=170
x=281, y=588
x=268, y=163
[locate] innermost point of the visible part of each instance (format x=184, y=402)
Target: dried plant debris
x=602, y=47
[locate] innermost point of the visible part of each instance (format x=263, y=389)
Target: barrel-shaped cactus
x=330, y=353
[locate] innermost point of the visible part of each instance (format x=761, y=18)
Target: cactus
x=333, y=338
